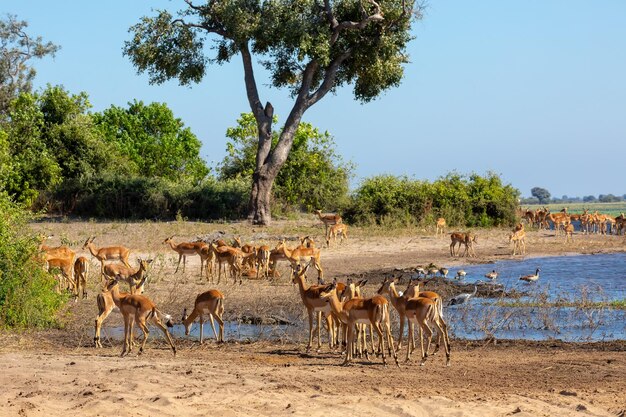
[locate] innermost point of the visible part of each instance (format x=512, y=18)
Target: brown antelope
x=441, y=227
x=413, y=291
x=519, y=244
x=310, y=296
x=262, y=261
x=421, y=311
x=211, y=301
x=328, y=219
x=106, y=304
x=231, y=256
x=185, y=249
x=51, y=252
x=300, y=253
x=130, y=275
x=207, y=261
x=140, y=309
x=340, y=229
x=467, y=239
x=248, y=250
x=558, y=219
x=398, y=301
x=65, y=277
x=107, y=253
x=569, y=230
x=374, y=311
x=81, y=269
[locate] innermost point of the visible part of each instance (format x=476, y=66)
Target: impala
x=441, y=227
x=340, y=229
x=313, y=303
x=466, y=239
x=81, y=269
x=300, y=253
x=66, y=275
x=262, y=261
x=185, y=249
x=106, y=304
x=569, y=230
x=519, y=244
x=212, y=302
x=421, y=311
x=131, y=276
x=413, y=291
x=231, y=256
x=374, y=311
x=329, y=219
x=107, y=253
x=139, y=308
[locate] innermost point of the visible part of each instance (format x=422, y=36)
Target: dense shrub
x=121, y=197
x=400, y=201
x=27, y=292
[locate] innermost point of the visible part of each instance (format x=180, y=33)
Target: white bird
x=531, y=278
x=433, y=271
x=460, y=274
x=443, y=272
x=462, y=298
x=492, y=275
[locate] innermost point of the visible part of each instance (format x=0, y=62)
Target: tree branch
x=329, y=78
x=337, y=27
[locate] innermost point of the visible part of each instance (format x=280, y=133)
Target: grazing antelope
x=374, y=311
x=130, y=275
x=314, y=304
x=531, y=278
x=107, y=253
x=211, y=301
x=185, y=249
x=140, y=309
x=66, y=276
x=340, y=229
x=441, y=227
x=81, y=269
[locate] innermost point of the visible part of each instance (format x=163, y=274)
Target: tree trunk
x=260, y=199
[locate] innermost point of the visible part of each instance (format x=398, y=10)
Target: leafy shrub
x=399, y=201
x=27, y=292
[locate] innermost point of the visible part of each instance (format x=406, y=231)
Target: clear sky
x=534, y=90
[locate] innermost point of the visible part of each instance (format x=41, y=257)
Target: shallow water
x=571, y=278
x=590, y=277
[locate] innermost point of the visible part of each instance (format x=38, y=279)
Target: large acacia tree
x=311, y=47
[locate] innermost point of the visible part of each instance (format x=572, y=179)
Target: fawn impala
x=340, y=229
x=314, y=304
x=211, y=301
x=441, y=227
x=140, y=309
x=107, y=253
x=185, y=249
x=374, y=311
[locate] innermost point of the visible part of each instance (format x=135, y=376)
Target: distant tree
x=17, y=50
x=313, y=176
x=309, y=47
x=589, y=198
x=608, y=198
x=541, y=194
x=156, y=143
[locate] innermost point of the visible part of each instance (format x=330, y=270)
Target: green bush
x=123, y=197
x=27, y=293
x=391, y=201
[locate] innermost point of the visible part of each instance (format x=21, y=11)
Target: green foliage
x=400, y=201
x=27, y=295
x=17, y=49
x=541, y=194
x=136, y=197
x=289, y=34
x=156, y=143
x=313, y=176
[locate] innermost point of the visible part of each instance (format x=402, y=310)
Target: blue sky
x=534, y=90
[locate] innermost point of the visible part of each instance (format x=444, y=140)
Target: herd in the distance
x=346, y=313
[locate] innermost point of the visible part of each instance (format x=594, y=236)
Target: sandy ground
x=58, y=373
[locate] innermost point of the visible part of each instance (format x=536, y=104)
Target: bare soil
x=57, y=372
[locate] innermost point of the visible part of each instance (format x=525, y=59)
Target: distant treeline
x=602, y=198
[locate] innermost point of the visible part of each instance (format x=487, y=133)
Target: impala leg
x=201, y=328
x=180, y=256
x=213, y=326
x=401, y=332
x=141, y=322
x=319, y=325
x=308, y=348
x=160, y=325
x=408, y=344
x=428, y=334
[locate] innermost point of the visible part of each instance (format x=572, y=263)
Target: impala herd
x=338, y=307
